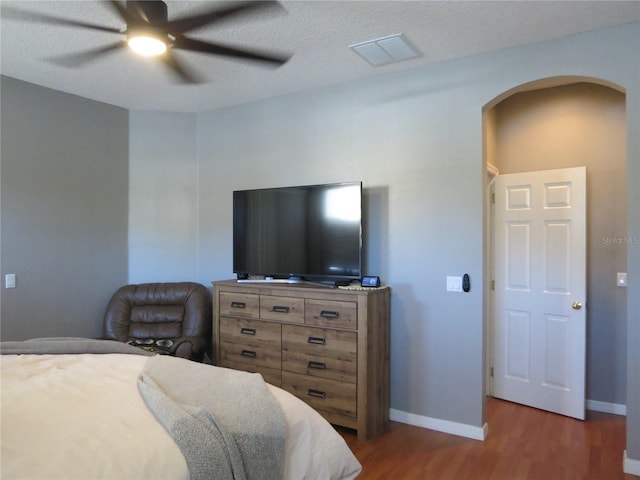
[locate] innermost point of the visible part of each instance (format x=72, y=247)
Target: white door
x=540, y=288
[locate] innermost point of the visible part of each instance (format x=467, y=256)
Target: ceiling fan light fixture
x=147, y=44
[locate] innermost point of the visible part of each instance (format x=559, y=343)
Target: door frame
x=491, y=172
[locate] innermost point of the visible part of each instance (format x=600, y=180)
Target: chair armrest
x=191, y=348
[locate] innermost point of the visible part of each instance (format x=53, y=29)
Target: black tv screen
x=311, y=232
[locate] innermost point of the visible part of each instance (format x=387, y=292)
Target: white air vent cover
x=382, y=51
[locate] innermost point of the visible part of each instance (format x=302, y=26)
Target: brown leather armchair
x=173, y=318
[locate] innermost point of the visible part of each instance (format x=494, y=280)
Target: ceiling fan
x=149, y=32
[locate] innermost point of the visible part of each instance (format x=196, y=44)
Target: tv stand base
x=290, y=280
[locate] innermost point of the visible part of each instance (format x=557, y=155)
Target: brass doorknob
x=576, y=305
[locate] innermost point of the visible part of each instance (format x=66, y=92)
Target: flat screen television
x=302, y=233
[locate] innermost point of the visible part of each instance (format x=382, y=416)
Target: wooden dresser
x=327, y=346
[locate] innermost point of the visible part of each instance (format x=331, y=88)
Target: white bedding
x=82, y=417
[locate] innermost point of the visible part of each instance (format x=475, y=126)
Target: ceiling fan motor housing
x=147, y=35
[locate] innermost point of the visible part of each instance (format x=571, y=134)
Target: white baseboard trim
x=480, y=433
x=445, y=426
x=630, y=466
x=606, y=407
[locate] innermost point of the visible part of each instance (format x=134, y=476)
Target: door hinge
x=493, y=198
x=493, y=284
x=491, y=371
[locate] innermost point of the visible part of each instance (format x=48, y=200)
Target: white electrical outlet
x=10, y=280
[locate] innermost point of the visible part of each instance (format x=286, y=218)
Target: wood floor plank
x=523, y=444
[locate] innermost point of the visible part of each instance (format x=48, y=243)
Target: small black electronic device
x=370, y=281
x=466, y=283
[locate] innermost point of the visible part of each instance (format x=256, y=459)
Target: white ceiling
x=317, y=33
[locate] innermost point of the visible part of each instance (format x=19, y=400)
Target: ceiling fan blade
x=124, y=12
x=185, y=75
x=19, y=14
x=186, y=24
x=77, y=59
x=193, y=45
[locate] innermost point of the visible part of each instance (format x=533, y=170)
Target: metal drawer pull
x=238, y=305
x=316, y=340
x=316, y=393
x=279, y=309
x=329, y=314
x=248, y=331
x=317, y=365
x=248, y=353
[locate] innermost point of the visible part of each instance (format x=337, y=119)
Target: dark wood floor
x=523, y=443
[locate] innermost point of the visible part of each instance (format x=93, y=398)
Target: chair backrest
x=158, y=311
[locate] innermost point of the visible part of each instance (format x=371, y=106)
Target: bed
x=85, y=409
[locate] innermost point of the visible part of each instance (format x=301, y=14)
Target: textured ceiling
x=317, y=33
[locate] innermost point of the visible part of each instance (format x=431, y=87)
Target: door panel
x=556, y=259
x=558, y=337
x=518, y=342
x=519, y=255
x=540, y=272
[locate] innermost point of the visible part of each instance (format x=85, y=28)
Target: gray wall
x=64, y=210
x=633, y=259
x=570, y=126
x=163, y=197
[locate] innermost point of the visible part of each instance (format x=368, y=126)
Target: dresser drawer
x=250, y=332
x=322, y=394
x=270, y=375
x=257, y=355
x=239, y=304
x=282, y=309
x=320, y=352
x=326, y=313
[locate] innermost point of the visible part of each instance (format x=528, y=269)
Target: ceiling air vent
x=383, y=51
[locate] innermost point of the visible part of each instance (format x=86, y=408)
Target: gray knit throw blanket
x=227, y=423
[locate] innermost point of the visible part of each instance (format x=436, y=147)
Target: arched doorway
x=566, y=122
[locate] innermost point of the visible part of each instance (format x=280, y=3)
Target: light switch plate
x=621, y=280
x=10, y=280
x=454, y=284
